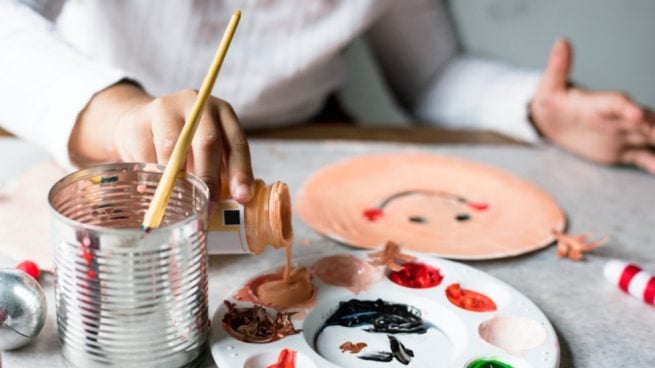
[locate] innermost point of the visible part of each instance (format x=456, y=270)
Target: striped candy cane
x=631, y=279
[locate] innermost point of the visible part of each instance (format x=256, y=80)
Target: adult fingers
x=557, y=70
x=634, y=138
x=207, y=149
x=643, y=158
x=618, y=105
x=239, y=167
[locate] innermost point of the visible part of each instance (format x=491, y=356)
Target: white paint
x=513, y=334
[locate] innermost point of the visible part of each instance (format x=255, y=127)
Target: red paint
x=372, y=214
x=478, y=206
x=286, y=359
x=88, y=257
x=30, y=268
x=91, y=274
x=416, y=276
x=626, y=276
x=469, y=299
x=649, y=293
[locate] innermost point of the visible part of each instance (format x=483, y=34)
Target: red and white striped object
x=631, y=279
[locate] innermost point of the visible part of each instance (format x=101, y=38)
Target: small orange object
x=574, y=246
x=352, y=348
x=469, y=299
x=286, y=359
x=390, y=257
x=30, y=268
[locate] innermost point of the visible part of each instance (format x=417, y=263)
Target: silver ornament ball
x=22, y=309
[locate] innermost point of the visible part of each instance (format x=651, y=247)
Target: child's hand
x=124, y=123
x=605, y=127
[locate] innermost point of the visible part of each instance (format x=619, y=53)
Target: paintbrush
x=162, y=195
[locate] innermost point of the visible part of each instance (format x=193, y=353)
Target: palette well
x=359, y=317
x=438, y=205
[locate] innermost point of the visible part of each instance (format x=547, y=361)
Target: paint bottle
x=248, y=229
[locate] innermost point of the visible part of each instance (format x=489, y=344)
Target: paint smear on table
x=470, y=300
x=512, y=333
x=416, y=276
x=256, y=325
x=428, y=203
x=346, y=271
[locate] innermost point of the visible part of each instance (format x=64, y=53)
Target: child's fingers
x=166, y=129
x=238, y=154
x=207, y=148
x=140, y=148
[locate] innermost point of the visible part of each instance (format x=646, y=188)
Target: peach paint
x=272, y=290
x=499, y=214
x=346, y=271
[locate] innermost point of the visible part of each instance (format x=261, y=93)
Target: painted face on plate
x=424, y=207
x=426, y=203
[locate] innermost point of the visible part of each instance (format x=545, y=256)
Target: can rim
x=147, y=167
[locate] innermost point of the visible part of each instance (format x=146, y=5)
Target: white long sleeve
x=417, y=49
x=45, y=83
x=284, y=61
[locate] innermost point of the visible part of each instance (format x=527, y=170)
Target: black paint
x=398, y=351
x=380, y=315
x=417, y=219
x=108, y=179
x=380, y=356
x=462, y=217
x=383, y=316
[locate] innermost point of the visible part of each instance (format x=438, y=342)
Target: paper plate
x=515, y=333
x=429, y=204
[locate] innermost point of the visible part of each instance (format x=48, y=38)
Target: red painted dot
x=372, y=214
x=417, y=276
x=92, y=274
x=88, y=257
x=30, y=268
x=478, y=206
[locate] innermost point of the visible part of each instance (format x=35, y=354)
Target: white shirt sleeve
x=44, y=83
x=417, y=49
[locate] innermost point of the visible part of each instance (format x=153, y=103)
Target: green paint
x=488, y=363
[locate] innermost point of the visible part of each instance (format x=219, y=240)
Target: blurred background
x=614, y=47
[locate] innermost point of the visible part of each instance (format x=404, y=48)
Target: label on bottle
x=227, y=229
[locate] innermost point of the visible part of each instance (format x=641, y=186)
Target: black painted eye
x=462, y=217
x=416, y=219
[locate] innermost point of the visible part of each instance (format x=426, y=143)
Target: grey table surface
x=597, y=325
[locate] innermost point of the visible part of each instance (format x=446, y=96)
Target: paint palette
x=430, y=312
x=438, y=205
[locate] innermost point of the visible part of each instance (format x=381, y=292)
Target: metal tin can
x=127, y=298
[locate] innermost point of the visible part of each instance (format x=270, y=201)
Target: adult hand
x=605, y=127
x=124, y=123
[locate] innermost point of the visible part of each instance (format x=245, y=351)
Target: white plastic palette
x=517, y=333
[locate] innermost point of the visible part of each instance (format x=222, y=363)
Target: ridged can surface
x=124, y=297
